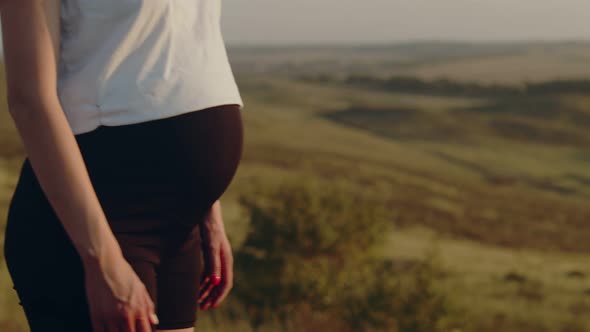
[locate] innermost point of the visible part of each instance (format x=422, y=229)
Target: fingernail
x=154, y=318
x=216, y=280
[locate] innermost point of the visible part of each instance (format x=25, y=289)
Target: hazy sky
x=284, y=21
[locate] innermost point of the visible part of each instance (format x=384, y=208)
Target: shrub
x=312, y=246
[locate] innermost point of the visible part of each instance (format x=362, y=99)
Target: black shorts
x=155, y=181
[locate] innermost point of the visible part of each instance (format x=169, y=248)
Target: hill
x=497, y=186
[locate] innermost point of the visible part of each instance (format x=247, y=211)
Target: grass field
x=499, y=189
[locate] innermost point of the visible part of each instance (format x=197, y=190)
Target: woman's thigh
x=48, y=274
x=45, y=268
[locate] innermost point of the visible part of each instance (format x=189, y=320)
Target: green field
x=497, y=186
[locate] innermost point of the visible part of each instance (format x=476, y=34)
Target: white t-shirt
x=130, y=61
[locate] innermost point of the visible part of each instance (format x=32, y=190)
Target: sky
x=375, y=21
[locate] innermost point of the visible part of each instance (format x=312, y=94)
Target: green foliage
x=393, y=299
x=311, y=245
x=309, y=218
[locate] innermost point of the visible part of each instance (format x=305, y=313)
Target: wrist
x=100, y=256
x=214, y=214
x=212, y=225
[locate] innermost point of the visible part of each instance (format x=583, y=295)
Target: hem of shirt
x=156, y=115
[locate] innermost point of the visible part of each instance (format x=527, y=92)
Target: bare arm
x=30, y=31
x=28, y=37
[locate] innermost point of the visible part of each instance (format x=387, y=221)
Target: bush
x=311, y=247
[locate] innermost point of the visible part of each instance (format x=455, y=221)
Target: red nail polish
x=216, y=280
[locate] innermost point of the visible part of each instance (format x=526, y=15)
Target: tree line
x=447, y=87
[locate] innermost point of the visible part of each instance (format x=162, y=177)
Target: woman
x=130, y=118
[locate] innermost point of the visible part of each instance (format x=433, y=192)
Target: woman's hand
x=218, y=275
x=117, y=298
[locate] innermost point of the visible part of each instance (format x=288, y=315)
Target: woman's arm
x=30, y=31
x=30, y=66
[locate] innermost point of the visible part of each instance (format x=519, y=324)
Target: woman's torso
x=130, y=61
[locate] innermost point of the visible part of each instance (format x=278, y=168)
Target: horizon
x=354, y=44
